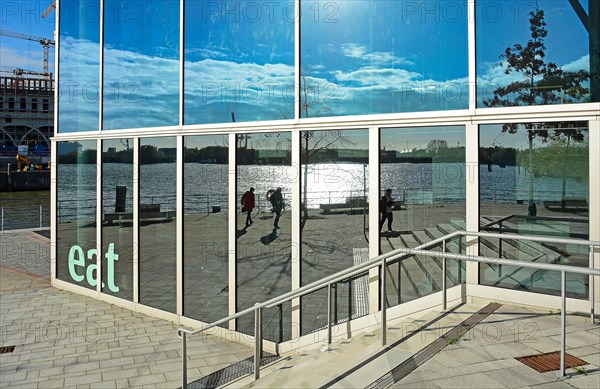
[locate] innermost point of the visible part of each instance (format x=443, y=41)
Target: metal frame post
x=592, y=290
x=500, y=249
x=183, y=360
x=257, y=341
x=383, y=305
x=563, y=321
x=329, y=315
x=444, y=296
x=40, y=217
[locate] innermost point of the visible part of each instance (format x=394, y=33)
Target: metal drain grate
x=232, y=372
x=7, y=349
x=550, y=361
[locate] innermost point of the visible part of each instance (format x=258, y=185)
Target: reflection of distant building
x=437, y=144
x=168, y=152
x=26, y=112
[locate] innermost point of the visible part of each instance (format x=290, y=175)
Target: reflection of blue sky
x=117, y=144
x=503, y=24
x=80, y=66
x=240, y=59
x=386, y=56
x=141, y=62
x=169, y=142
x=79, y=85
x=202, y=141
x=418, y=137
x=359, y=57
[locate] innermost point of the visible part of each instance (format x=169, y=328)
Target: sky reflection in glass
x=364, y=57
x=239, y=61
x=79, y=66
x=501, y=25
x=141, y=63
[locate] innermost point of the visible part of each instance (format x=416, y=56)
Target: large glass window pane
x=141, y=63
x=158, y=265
x=76, y=251
x=534, y=180
x=78, y=100
x=334, y=221
x=422, y=198
x=536, y=52
x=264, y=253
x=383, y=56
x=239, y=61
x=205, y=228
x=117, y=217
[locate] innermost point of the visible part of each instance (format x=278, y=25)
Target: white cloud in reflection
x=355, y=50
x=143, y=91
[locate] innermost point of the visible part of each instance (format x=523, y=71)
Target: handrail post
x=444, y=297
x=329, y=314
x=257, y=341
x=183, y=360
x=500, y=248
x=2, y=219
x=592, y=290
x=40, y=217
x=563, y=321
x=383, y=305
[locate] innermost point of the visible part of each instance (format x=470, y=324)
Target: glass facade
x=527, y=56
x=423, y=183
x=157, y=228
x=76, y=177
x=534, y=180
x=79, y=71
x=239, y=61
x=141, y=64
x=378, y=95
x=334, y=213
x=205, y=227
x=382, y=56
x=117, y=217
x=263, y=229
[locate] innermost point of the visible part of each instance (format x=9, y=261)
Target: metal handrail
x=400, y=254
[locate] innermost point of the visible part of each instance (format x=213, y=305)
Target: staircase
x=424, y=275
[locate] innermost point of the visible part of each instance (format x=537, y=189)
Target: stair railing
x=398, y=255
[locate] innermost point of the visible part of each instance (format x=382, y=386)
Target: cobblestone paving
x=63, y=339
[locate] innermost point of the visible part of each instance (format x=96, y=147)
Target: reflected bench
x=579, y=204
x=147, y=212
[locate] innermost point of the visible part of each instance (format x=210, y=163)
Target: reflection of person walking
x=277, y=203
x=248, y=205
x=385, y=207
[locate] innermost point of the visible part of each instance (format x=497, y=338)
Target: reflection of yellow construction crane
x=22, y=160
x=45, y=42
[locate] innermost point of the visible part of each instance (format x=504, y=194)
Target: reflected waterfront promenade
x=265, y=257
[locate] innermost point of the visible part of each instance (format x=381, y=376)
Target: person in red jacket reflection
x=248, y=205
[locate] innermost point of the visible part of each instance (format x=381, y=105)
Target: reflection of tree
x=564, y=157
x=559, y=133
x=314, y=143
x=543, y=83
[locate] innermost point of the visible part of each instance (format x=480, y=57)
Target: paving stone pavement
x=484, y=357
x=63, y=339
